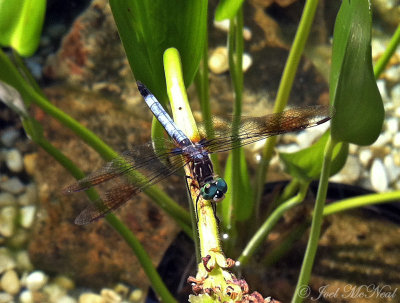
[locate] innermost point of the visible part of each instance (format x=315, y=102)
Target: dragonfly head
x=214, y=190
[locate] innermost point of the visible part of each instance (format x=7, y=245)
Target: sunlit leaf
x=148, y=28
x=21, y=24
x=358, y=105
x=306, y=164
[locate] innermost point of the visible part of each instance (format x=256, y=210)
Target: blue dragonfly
x=155, y=164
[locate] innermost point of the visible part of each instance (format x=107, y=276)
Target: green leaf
x=21, y=24
x=148, y=28
x=227, y=9
x=306, y=164
x=244, y=209
x=358, y=105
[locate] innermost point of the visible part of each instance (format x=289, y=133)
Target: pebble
x=351, y=171
x=218, y=61
x=29, y=197
x=383, y=140
x=378, y=176
x=66, y=299
x=9, y=136
x=26, y=296
x=7, y=199
x=365, y=157
x=110, y=296
x=12, y=185
x=6, y=260
x=64, y=282
x=23, y=261
x=91, y=298
x=10, y=282
x=392, y=125
x=36, y=280
x=136, y=295
x=6, y=298
x=27, y=216
x=30, y=163
x=396, y=140
x=382, y=89
x=14, y=161
x=54, y=292
x=8, y=216
x=393, y=171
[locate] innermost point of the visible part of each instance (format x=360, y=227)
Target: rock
x=29, y=197
x=7, y=199
x=7, y=262
x=9, y=136
x=378, y=176
x=27, y=216
x=54, y=292
x=392, y=125
x=23, y=261
x=64, y=282
x=14, y=160
x=12, y=185
x=8, y=216
x=383, y=140
x=350, y=173
x=365, y=157
x=66, y=299
x=91, y=298
x=396, y=140
x=218, y=60
x=393, y=170
x=6, y=298
x=36, y=280
x=110, y=296
x=136, y=295
x=10, y=282
x=30, y=163
x=26, y=296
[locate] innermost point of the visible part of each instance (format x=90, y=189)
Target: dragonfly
x=155, y=164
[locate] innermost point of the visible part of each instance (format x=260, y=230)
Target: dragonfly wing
x=141, y=157
x=252, y=129
x=124, y=188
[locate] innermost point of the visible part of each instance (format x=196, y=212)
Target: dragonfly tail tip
x=142, y=89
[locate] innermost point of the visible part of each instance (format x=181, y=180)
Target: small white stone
x=36, y=280
x=9, y=136
x=26, y=296
x=350, y=173
x=396, y=140
x=136, y=295
x=10, y=283
x=7, y=199
x=6, y=298
x=6, y=260
x=247, y=61
x=8, y=216
x=392, y=125
x=393, y=73
x=54, y=292
x=110, y=296
x=393, y=171
x=27, y=216
x=12, y=185
x=29, y=197
x=378, y=176
x=23, y=260
x=64, y=282
x=288, y=148
x=395, y=94
x=365, y=157
x=91, y=298
x=383, y=140
x=14, y=161
x=66, y=299
x=218, y=61
x=382, y=89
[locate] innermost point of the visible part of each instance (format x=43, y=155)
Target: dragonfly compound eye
x=208, y=191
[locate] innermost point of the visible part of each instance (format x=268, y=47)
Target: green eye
x=208, y=191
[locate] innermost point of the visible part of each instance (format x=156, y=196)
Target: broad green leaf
x=306, y=164
x=148, y=28
x=358, y=105
x=245, y=208
x=227, y=9
x=21, y=24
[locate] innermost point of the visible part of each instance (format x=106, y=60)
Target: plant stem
x=315, y=231
x=284, y=89
x=391, y=48
x=361, y=201
x=271, y=221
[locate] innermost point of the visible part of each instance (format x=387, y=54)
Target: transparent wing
x=122, y=178
x=252, y=129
